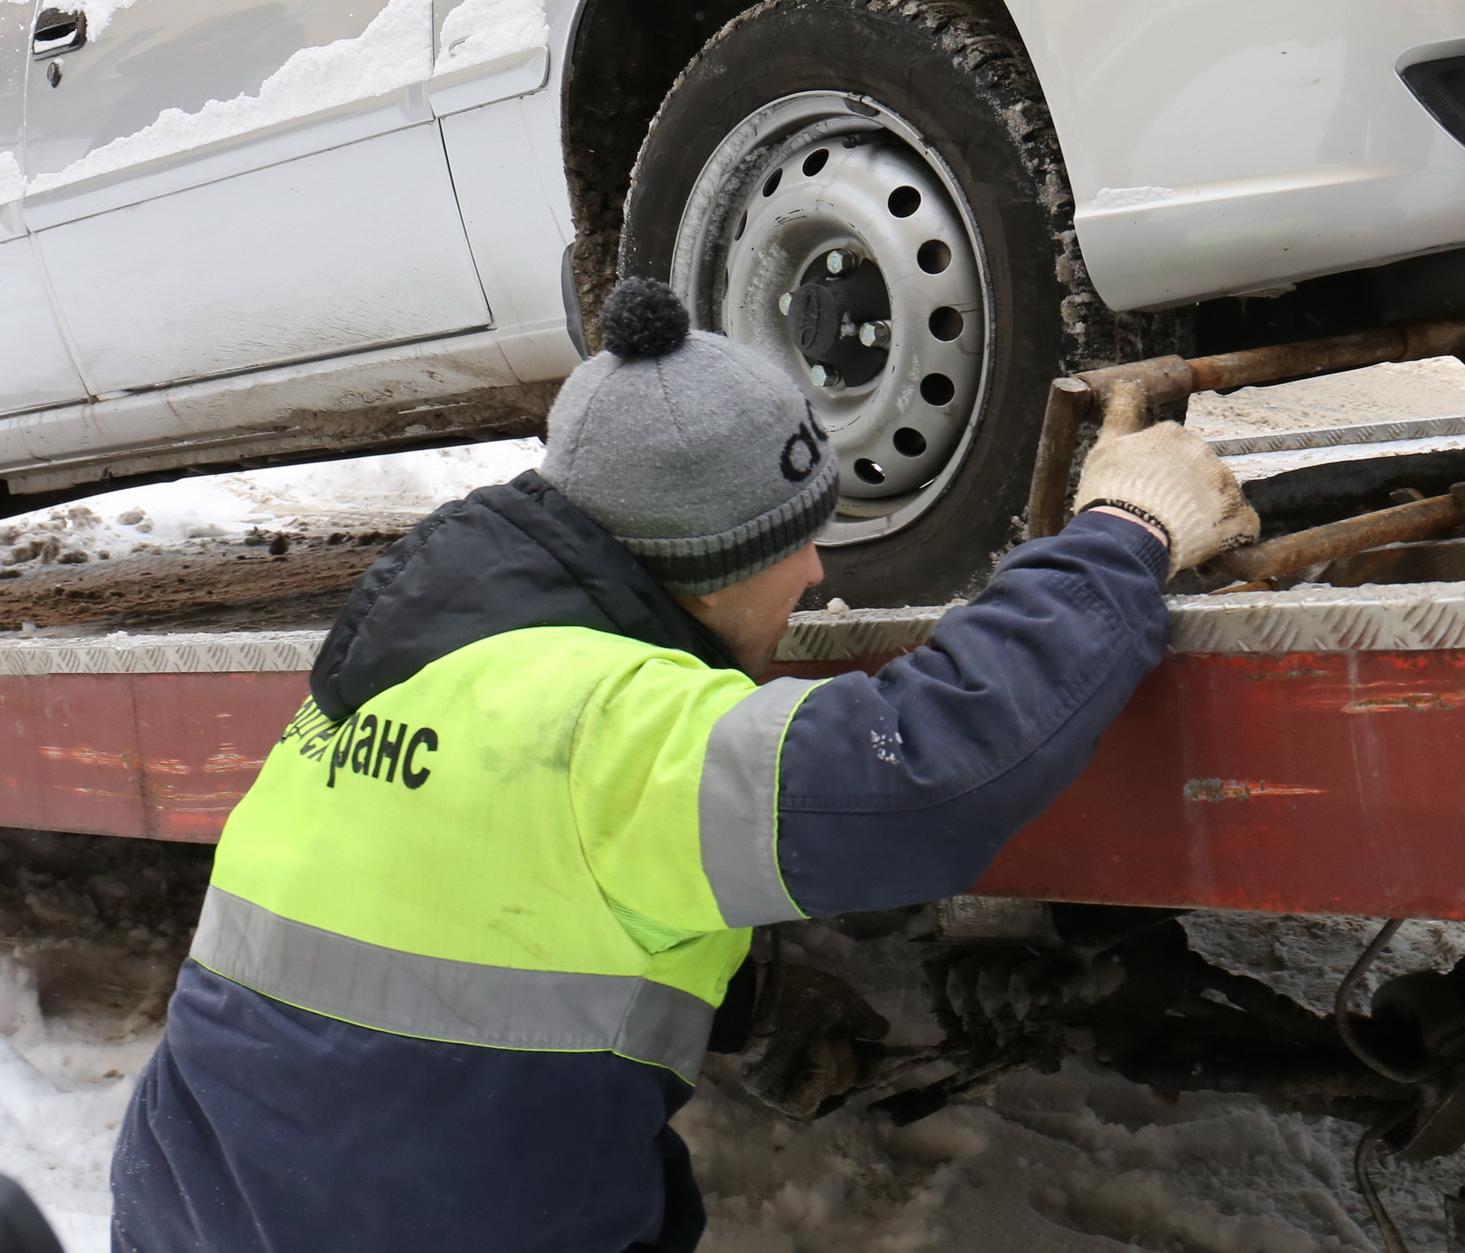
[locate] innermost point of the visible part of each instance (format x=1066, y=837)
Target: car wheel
x=871, y=193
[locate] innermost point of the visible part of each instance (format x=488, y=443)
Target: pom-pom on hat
x=643, y=318
x=701, y=456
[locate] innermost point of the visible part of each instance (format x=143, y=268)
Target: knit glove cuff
x=1172, y=477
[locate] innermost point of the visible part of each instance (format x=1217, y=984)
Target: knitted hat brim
x=695, y=565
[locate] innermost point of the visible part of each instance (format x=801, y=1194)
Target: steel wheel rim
x=819, y=172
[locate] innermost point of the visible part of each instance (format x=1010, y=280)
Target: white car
x=233, y=231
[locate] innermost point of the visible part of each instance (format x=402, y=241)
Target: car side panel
x=35, y=366
x=224, y=187
x=198, y=288
x=1225, y=148
x=508, y=166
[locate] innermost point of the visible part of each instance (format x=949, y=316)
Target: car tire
x=912, y=138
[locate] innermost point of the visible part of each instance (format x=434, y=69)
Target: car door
x=217, y=187
x=501, y=131
x=35, y=367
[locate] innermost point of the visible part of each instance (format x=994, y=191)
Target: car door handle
x=57, y=31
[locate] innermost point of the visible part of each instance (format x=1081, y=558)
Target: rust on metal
x=1171, y=379
x=1241, y=790
x=1408, y=702
x=1288, y=554
x=1126, y=407
x=1069, y=401
x=1165, y=379
x=1438, y=561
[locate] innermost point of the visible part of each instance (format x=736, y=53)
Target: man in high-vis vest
x=466, y=935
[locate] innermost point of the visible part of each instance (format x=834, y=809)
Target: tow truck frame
x=1292, y=754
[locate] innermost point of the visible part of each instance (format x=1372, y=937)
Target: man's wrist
x=1132, y=514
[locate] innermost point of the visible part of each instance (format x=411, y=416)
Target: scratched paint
x=86, y=755
x=229, y=760
x=1408, y=702
x=1294, y=673
x=1242, y=790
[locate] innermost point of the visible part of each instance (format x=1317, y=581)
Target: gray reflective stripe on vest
x=453, y=1001
x=737, y=807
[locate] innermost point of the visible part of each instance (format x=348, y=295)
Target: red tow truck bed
x=1296, y=752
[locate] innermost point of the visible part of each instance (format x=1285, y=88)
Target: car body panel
x=294, y=408
x=1220, y=149
x=35, y=363
x=215, y=275
x=508, y=171
x=407, y=226
x=192, y=285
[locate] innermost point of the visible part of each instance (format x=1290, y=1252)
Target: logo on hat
x=801, y=455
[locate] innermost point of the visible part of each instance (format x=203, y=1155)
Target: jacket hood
x=501, y=559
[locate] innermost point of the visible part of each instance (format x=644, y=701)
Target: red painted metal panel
x=1297, y=783
x=160, y=755
x=1322, y=783
x=1302, y=783
x=68, y=750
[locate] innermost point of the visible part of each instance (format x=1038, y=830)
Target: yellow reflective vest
x=552, y=839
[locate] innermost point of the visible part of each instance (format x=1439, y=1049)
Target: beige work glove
x=1170, y=477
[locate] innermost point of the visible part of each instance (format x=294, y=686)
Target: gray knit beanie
x=701, y=457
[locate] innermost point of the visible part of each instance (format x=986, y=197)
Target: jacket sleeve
x=902, y=787
x=705, y=802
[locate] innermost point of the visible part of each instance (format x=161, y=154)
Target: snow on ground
x=193, y=511
x=1076, y=1162
x=64, y=1085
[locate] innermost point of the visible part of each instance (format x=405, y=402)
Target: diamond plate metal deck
x=241, y=652
x=1406, y=618
x=1340, y=436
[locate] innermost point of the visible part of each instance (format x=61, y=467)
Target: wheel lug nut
x=875, y=334
x=841, y=261
x=826, y=376
x=785, y=303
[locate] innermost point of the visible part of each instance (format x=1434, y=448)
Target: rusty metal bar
x=1290, y=553
x=1069, y=402
x=1166, y=380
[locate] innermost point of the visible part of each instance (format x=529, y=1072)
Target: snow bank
x=1393, y=391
